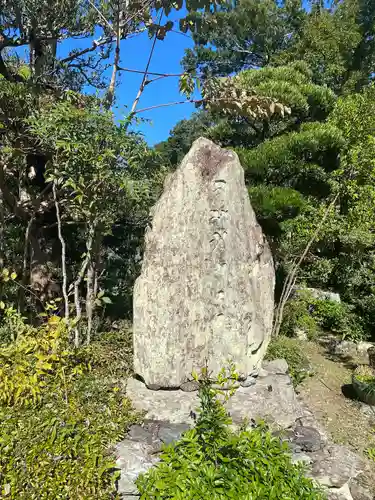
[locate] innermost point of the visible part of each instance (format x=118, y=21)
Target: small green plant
x=297, y=316
x=213, y=462
x=370, y=452
x=291, y=350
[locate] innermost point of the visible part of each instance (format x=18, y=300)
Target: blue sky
x=167, y=56
x=134, y=54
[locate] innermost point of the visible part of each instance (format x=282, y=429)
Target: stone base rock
x=139, y=451
x=133, y=458
x=271, y=398
x=336, y=465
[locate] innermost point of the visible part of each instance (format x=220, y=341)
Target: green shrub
x=35, y=361
x=212, y=462
x=59, y=416
x=297, y=316
x=60, y=450
x=338, y=317
x=312, y=316
x=112, y=353
x=292, y=351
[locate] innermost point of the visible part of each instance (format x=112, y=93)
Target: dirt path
x=343, y=417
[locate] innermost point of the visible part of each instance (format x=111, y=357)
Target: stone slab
x=133, y=458
x=272, y=398
x=336, y=465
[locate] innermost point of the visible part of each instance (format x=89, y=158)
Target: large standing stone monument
x=205, y=294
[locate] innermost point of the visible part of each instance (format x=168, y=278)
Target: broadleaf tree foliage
x=71, y=179
x=310, y=174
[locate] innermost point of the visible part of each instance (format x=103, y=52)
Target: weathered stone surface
x=336, y=465
x=190, y=386
x=342, y=493
x=262, y=373
x=271, y=398
x=133, y=458
x=301, y=458
x=359, y=492
x=171, y=432
x=306, y=439
x=145, y=434
x=207, y=281
x=249, y=381
x=276, y=366
x=157, y=432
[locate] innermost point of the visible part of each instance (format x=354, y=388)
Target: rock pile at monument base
x=272, y=397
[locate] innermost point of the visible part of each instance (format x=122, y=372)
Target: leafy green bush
x=213, y=462
x=60, y=412
x=338, y=317
x=291, y=350
x=60, y=450
x=112, y=353
x=35, y=361
x=297, y=316
x=313, y=315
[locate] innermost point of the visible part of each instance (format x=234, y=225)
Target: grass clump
x=214, y=462
x=292, y=351
x=60, y=412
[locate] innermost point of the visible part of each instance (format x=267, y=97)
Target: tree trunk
x=292, y=275
x=63, y=254
x=92, y=283
x=78, y=281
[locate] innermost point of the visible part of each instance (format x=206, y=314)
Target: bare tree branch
x=63, y=253
x=189, y=101
x=144, y=79
x=111, y=89
x=94, y=46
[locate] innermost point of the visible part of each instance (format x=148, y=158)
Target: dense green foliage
x=291, y=350
x=61, y=410
x=312, y=316
x=211, y=461
x=319, y=159
x=296, y=101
